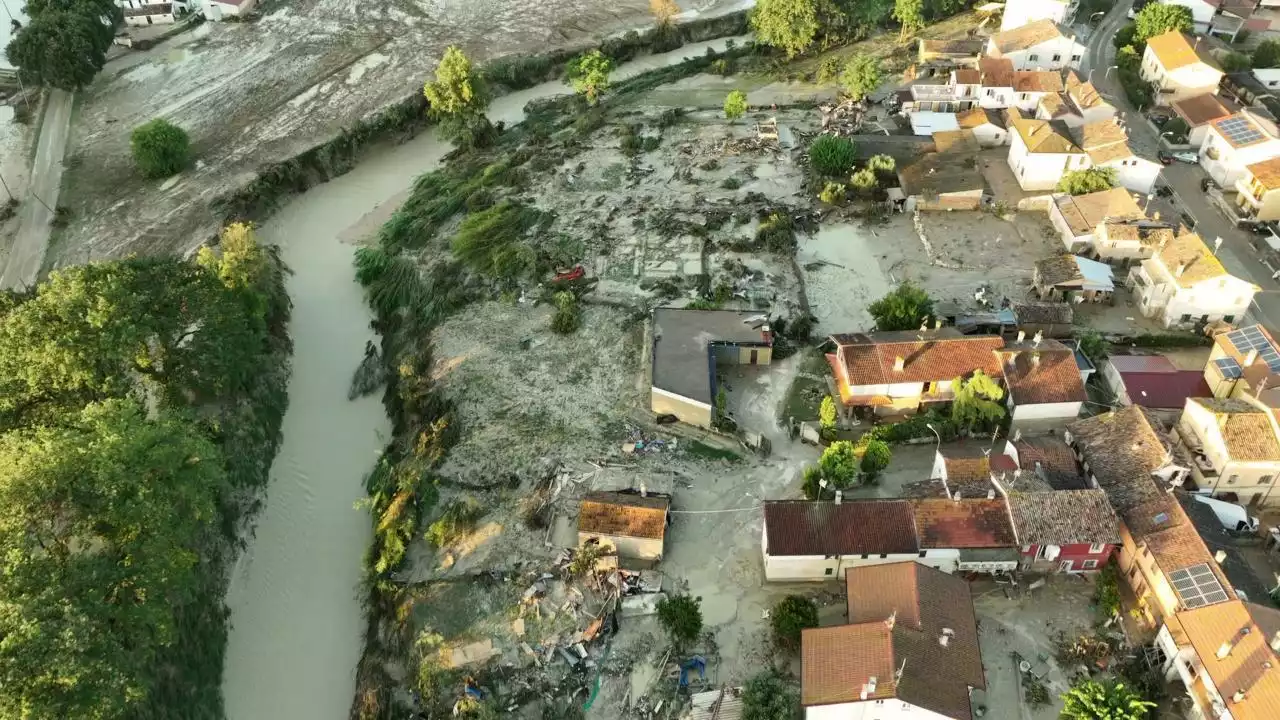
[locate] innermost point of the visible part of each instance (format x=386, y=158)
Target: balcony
x=934, y=93
x=1250, y=192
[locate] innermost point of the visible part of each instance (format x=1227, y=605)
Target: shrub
x=839, y=464
x=906, y=307
x=567, y=317
x=731, y=183
x=589, y=75
x=860, y=77
x=790, y=616
x=1112, y=700
x=1267, y=54
x=777, y=233
x=1106, y=592
x=735, y=105
x=833, y=193
x=810, y=484
x=875, y=457
x=681, y=616
x=829, y=70
x=832, y=156
x=882, y=165
x=1235, y=62
x=160, y=148
x=827, y=413
x=768, y=696
x=863, y=181
x=491, y=241
x=1177, y=129
x=1083, y=182
x=458, y=518
x=1094, y=347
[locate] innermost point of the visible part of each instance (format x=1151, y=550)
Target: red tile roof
x=1164, y=390
x=928, y=356
x=963, y=524
x=1041, y=374
x=609, y=513
x=801, y=527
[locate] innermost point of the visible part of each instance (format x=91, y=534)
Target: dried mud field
x=251, y=94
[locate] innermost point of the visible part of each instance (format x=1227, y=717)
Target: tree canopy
x=589, y=74
x=1267, y=54
x=1092, y=700
x=790, y=616
x=839, y=464
x=456, y=88
x=768, y=696
x=861, y=76
x=910, y=14
x=906, y=307
x=735, y=104
x=789, y=25
x=160, y=148
x=66, y=42
x=1083, y=182
x=875, y=457
x=977, y=400
x=681, y=615
x=1158, y=18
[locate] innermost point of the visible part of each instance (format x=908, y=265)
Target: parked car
x=1164, y=157
x=1186, y=157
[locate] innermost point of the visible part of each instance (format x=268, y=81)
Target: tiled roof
x=1179, y=546
x=1251, y=668
x=1164, y=390
x=941, y=355
x=960, y=524
x=1064, y=517
x=1046, y=373
x=609, y=513
x=967, y=76
x=966, y=464
x=1053, y=459
x=924, y=602
x=941, y=173
x=1246, y=429
x=1044, y=136
x=1043, y=313
x=952, y=47
x=1123, y=448
x=1085, y=95
x=836, y=663
x=1189, y=252
x=978, y=117
x=1054, y=106
x=1083, y=213
x=1026, y=36
x=1146, y=234
x=1175, y=50
x=801, y=527
x=996, y=72
x=151, y=9
x=1200, y=109
x=1045, y=81
x=1267, y=173
x=1085, y=273
x=1111, y=153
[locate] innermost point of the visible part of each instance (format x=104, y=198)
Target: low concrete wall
x=1036, y=202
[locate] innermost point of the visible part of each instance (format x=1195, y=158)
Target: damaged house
x=632, y=525
x=687, y=347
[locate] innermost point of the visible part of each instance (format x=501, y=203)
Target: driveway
x=23, y=268
x=1235, y=253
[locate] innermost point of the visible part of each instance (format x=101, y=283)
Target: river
x=296, y=620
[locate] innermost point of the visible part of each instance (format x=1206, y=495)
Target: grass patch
x=808, y=389
x=699, y=449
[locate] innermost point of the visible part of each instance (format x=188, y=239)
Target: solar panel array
x=1229, y=368
x=1197, y=586
x=1251, y=338
x=1239, y=131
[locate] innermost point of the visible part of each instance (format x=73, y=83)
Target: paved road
x=1236, y=253
x=27, y=254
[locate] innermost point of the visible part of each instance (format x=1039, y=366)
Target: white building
x=988, y=126
x=151, y=12
x=1183, y=285
x=220, y=9
x=1040, y=154
x=1077, y=218
x=1179, y=67
x=1107, y=144
x=1079, y=104
x=909, y=652
x=1233, y=143
x=1234, y=447
x=1199, y=112
x=1041, y=45
x=1024, y=12
x=633, y=525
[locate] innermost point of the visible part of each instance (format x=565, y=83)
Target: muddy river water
x=296, y=619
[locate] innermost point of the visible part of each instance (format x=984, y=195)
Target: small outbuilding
x=633, y=525
x=687, y=346
x=1071, y=278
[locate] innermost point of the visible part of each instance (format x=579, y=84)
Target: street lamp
x=1105, y=75
x=1091, y=17
x=937, y=453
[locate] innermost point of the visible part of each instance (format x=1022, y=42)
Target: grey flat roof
x=682, y=342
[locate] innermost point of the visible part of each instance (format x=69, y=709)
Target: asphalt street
x=36, y=217
x=1184, y=179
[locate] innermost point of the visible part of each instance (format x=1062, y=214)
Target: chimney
x=1155, y=215
x=991, y=494
x=1224, y=650
x=1022, y=335
x=892, y=620
x=945, y=637
x=899, y=363
x=840, y=498
x=868, y=688
x=1250, y=357
x=1237, y=696
x=937, y=324
x=1220, y=556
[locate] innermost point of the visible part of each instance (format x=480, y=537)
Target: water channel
x=296, y=620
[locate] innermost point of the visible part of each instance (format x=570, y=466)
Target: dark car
x=1164, y=157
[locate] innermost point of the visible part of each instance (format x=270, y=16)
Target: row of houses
x=141, y=13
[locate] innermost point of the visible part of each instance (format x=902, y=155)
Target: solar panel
x=1239, y=131
x=1229, y=368
x=1197, y=586
x=1251, y=338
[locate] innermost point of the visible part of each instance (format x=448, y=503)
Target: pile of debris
x=843, y=119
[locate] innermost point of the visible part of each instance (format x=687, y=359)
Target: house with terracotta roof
x=688, y=346
x=987, y=126
x=1042, y=151
x=1128, y=242
x=632, y=525
x=900, y=372
x=1106, y=142
x=910, y=649
x=953, y=52
x=1066, y=531
x=1234, y=444
x=1184, y=285
x=1047, y=458
x=1197, y=111
x=1042, y=381
x=1049, y=319
x=1078, y=217
x=1258, y=190
x=1235, y=142
x=1153, y=383
x=1227, y=657
x=1038, y=45
x=1023, y=12
x=979, y=530
x=1078, y=104
x=807, y=540
x=1179, y=67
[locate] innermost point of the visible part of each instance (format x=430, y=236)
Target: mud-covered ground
x=250, y=94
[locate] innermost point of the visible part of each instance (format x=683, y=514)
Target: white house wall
x=1072, y=242
x=806, y=568
x=1046, y=411
x=1024, y=12
x=989, y=135
x=1041, y=57
x=1231, y=161
x=890, y=709
x=1201, y=12
x=1219, y=298
x=1136, y=174
x=1041, y=171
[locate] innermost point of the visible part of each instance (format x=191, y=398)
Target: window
x=1024, y=96
x=1232, y=480
x=883, y=556
x=1089, y=565
x=1264, y=480
x=1272, y=83
x=1032, y=57
x=865, y=556
x=991, y=93
x=923, y=553
x=1133, y=571
x=829, y=571
x=1191, y=670
x=1228, y=318
x=1095, y=549
x=1186, y=317
x=1056, y=57
x=1075, y=58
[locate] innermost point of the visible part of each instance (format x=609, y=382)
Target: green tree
x=681, y=616
x=1267, y=54
x=104, y=517
x=1112, y=700
x=1235, y=62
x=768, y=696
x=1094, y=347
x=735, y=104
x=458, y=99
x=1083, y=182
x=831, y=155
x=839, y=464
x=910, y=14
x=589, y=75
x=790, y=616
x=160, y=148
x=1125, y=36
x=790, y=25
x=977, y=401
x=875, y=457
x=906, y=307
x=827, y=413
x=1158, y=19
x=58, y=48
x=861, y=76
